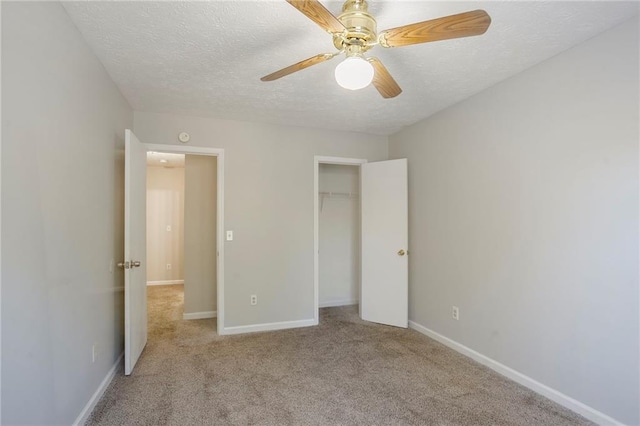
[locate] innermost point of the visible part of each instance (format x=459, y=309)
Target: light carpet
x=343, y=372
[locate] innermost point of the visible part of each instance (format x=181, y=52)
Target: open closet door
x=384, y=288
x=135, y=250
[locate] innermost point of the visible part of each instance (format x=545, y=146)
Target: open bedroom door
x=384, y=220
x=135, y=250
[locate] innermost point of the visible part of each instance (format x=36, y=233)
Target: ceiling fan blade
x=383, y=81
x=299, y=66
x=315, y=11
x=454, y=26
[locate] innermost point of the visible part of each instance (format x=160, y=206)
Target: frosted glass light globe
x=354, y=73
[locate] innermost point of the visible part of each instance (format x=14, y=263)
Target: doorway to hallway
x=135, y=244
x=181, y=237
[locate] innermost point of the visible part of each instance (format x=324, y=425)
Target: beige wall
x=339, y=236
x=269, y=202
x=63, y=122
x=165, y=207
x=524, y=214
x=200, y=234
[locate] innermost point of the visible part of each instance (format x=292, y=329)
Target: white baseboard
x=88, y=408
x=268, y=326
x=544, y=390
x=168, y=282
x=333, y=303
x=199, y=315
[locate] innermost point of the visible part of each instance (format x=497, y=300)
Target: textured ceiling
x=206, y=58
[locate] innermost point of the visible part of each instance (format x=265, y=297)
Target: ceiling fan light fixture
x=354, y=73
x=354, y=32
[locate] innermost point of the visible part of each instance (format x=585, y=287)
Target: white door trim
x=317, y=160
x=219, y=153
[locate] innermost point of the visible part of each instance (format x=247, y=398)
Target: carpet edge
x=540, y=388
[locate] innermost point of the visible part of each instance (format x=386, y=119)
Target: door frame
x=317, y=160
x=219, y=154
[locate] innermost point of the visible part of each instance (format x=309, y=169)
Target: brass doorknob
x=129, y=265
x=401, y=252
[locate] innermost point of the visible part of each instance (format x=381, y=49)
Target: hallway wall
x=165, y=208
x=200, y=237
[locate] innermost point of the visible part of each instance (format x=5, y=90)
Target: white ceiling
x=206, y=58
x=164, y=159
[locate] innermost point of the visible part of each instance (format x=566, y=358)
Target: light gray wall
x=269, y=197
x=339, y=235
x=524, y=213
x=200, y=244
x=63, y=127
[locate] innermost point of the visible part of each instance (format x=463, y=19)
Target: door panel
x=135, y=250
x=384, y=204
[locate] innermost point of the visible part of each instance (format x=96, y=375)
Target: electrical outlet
x=455, y=313
x=229, y=235
x=168, y=266
x=254, y=299
x=168, y=228
x=94, y=352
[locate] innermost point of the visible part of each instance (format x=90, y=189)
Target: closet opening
x=338, y=223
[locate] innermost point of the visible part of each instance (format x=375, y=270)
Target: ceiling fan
x=354, y=34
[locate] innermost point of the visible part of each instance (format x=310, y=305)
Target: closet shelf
x=331, y=194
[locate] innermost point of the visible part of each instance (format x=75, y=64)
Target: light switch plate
x=229, y=235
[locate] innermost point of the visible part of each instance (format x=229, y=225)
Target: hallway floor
x=165, y=307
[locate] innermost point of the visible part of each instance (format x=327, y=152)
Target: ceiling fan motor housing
x=360, y=25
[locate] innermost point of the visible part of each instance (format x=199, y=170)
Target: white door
x=384, y=288
x=135, y=250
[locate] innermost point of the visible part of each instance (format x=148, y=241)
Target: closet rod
x=331, y=194
x=338, y=194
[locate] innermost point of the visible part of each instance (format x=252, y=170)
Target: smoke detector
x=184, y=137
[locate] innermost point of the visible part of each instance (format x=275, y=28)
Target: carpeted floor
x=344, y=371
